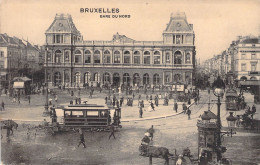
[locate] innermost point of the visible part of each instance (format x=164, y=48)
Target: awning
x=250, y=83
x=18, y=85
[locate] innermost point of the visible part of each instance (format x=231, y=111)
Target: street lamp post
x=218, y=90
x=46, y=106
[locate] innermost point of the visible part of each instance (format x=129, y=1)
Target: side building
x=72, y=61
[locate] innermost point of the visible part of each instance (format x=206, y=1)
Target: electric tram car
x=231, y=100
x=85, y=116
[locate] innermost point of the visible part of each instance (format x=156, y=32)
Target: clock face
x=60, y=24
x=178, y=24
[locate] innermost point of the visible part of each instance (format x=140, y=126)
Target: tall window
x=77, y=56
x=126, y=78
x=77, y=78
x=106, y=78
x=156, y=79
x=58, y=55
x=168, y=56
x=146, y=79
x=157, y=57
x=126, y=57
x=116, y=56
x=253, y=67
x=49, y=56
x=107, y=57
x=178, y=39
x=57, y=78
x=87, y=77
x=146, y=57
x=136, y=57
x=97, y=77
x=243, y=67
x=87, y=57
x=67, y=56
x=2, y=54
x=188, y=61
x=97, y=57
x=136, y=79
x=177, y=57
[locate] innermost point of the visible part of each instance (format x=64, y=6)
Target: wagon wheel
x=49, y=131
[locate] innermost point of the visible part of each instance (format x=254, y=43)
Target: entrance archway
x=126, y=79
x=136, y=79
x=116, y=79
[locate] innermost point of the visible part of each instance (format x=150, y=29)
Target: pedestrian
x=3, y=105
x=29, y=99
x=141, y=112
x=151, y=132
x=112, y=130
x=176, y=107
x=184, y=107
x=106, y=100
x=253, y=109
x=56, y=98
x=81, y=138
x=139, y=97
x=152, y=106
x=117, y=103
x=189, y=101
x=188, y=113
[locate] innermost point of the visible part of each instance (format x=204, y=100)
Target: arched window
x=126, y=78
x=136, y=57
x=67, y=56
x=157, y=57
x=177, y=77
x=97, y=77
x=57, y=78
x=87, y=77
x=187, y=77
x=146, y=79
x=77, y=78
x=156, y=79
x=253, y=78
x=116, y=79
x=188, y=61
x=77, y=56
x=49, y=56
x=116, y=56
x=243, y=78
x=66, y=78
x=177, y=57
x=106, y=78
x=87, y=56
x=97, y=57
x=107, y=57
x=146, y=57
x=58, y=55
x=136, y=79
x=168, y=57
x=127, y=57
x=167, y=79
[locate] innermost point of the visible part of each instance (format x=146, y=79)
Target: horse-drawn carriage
x=148, y=150
x=8, y=125
x=86, y=116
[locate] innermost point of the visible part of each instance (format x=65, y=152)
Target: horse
x=8, y=124
x=153, y=151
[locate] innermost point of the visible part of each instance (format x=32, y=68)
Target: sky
x=216, y=23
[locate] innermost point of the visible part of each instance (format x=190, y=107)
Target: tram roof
x=86, y=107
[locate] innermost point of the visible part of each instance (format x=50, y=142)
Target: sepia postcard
x=130, y=82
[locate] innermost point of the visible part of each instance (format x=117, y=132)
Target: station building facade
x=72, y=61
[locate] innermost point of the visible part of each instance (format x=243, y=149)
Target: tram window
x=92, y=113
x=67, y=113
x=77, y=113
